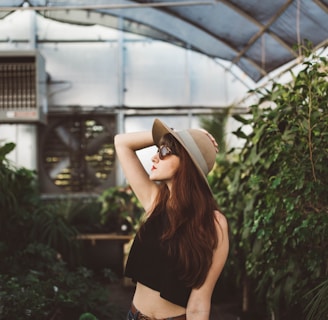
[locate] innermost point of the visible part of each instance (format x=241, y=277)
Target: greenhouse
x=75, y=74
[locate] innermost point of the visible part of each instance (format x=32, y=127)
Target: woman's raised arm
x=126, y=145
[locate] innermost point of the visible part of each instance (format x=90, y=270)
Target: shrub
x=36, y=242
x=41, y=287
x=274, y=194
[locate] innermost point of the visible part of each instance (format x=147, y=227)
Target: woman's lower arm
x=134, y=140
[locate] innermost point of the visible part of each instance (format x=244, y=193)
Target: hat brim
x=160, y=129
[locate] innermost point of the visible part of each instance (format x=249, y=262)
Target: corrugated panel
x=257, y=36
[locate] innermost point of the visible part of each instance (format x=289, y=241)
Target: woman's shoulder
x=220, y=217
x=221, y=222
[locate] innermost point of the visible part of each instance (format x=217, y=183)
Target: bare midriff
x=149, y=302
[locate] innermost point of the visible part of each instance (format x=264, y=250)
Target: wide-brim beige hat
x=196, y=142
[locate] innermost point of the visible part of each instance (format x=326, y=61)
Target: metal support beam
x=109, y=6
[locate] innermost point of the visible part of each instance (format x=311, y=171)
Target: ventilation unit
x=23, y=96
x=77, y=154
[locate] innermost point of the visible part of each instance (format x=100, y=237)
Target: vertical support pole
x=33, y=29
x=121, y=91
x=120, y=63
x=29, y=132
x=188, y=85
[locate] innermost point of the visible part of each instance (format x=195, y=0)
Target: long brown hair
x=190, y=234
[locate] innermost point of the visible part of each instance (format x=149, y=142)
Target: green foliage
x=318, y=305
x=23, y=213
x=18, y=196
x=274, y=192
x=84, y=214
x=216, y=124
x=119, y=205
x=4, y=150
x=87, y=316
x=39, y=278
x=41, y=287
x=115, y=210
x=50, y=227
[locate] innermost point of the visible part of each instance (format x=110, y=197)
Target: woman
x=181, y=248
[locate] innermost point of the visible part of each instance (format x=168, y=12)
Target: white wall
x=101, y=72
x=24, y=135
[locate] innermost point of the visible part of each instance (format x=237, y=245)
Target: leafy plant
x=116, y=210
x=216, y=125
x=23, y=213
x=36, y=242
x=87, y=316
x=84, y=214
x=50, y=227
x=41, y=287
x=274, y=193
x=317, y=307
x=18, y=196
x=121, y=210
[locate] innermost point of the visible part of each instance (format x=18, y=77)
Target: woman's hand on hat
x=215, y=144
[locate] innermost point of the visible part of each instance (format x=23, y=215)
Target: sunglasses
x=164, y=151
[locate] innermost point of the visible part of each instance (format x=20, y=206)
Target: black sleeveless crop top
x=149, y=264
